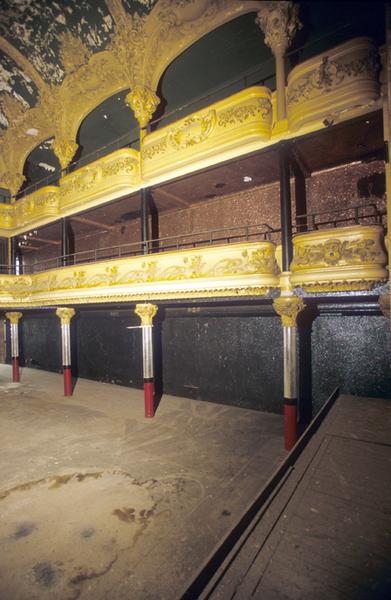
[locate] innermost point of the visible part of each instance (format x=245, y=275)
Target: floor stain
x=45, y=574
x=23, y=530
x=125, y=514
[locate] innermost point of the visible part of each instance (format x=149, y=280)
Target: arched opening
x=224, y=61
x=41, y=168
x=108, y=127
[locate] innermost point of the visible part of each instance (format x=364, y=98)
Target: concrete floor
x=97, y=502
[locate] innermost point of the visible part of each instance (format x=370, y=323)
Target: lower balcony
x=241, y=269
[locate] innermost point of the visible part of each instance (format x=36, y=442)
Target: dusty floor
x=97, y=502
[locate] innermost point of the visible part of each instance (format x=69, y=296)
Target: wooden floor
x=326, y=532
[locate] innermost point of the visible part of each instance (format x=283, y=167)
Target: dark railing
x=355, y=215
x=171, y=243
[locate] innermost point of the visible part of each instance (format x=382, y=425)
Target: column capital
x=146, y=312
x=279, y=22
x=143, y=101
x=65, y=314
x=65, y=150
x=14, y=317
x=288, y=307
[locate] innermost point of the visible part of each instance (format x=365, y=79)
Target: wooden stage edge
x=321, y=526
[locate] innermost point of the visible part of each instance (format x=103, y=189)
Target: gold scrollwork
x=240, y=114
x=13, y=317
x=288, y=307
x=65, y=314
x=194, y=130
x=334, y=251
x=146, y=312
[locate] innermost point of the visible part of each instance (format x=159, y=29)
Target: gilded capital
x=65, y=314
x=143, y=101
x=64, y=150
x=279, y=22
x=146, y=312
x=288, y=307
x=13, y=317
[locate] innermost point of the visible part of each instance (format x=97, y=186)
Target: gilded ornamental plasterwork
x=138, y=53
x=230, y=127
x=343, y=259
x=341, y=81
x=215, y=271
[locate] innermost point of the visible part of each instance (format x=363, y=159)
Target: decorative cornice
x=13, y=317
x=65, y=314
x=288, y=307
x=146, y=312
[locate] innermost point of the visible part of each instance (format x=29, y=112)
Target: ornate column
x=279, y=22
x=65, y=315
x=288, y=307
x=146, y=312
x=144, y=219
x=143, y=101
x=14, y=329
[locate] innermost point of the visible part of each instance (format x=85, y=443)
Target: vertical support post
x=144, y=218
x=288, y=307
x=279, y=22
x=65, y=315
x=64, y=241
x=146, y=312
x=13, y=255
x=387, y=130
x=285, y=206
x=14, y=329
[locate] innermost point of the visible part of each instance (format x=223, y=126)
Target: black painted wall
x=224, y=355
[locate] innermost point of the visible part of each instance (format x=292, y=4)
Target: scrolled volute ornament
x=146, y=312
x=279, y=22
x=288, y=307
x=143, y=101
x=13, y=317
x=65, y=314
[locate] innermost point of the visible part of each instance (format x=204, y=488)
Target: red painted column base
x=15, y=369
x=149, y=403
x=290, y=424
x=68, y=390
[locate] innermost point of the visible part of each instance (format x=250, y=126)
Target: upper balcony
x=331, y=88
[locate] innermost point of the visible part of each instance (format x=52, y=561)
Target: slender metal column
x=285, y=206
x=64, y=241
x=13, y=254
x=65, y=315
x=144, y=218
x=288, y=307
x=146, y=312
x=14, y=330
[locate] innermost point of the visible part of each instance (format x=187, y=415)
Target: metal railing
x=354, y=215
x=172, y=243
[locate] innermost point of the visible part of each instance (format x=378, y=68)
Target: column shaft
x=290, y=387
x=285, y=207
x=66, y=314
x=148, y=371
x=144, y=218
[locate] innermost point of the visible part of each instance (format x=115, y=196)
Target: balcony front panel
x=345, y=259
x=107, y=178
x=31, y=211
x=219, y=271
x=339, y=83
x=230, y=127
